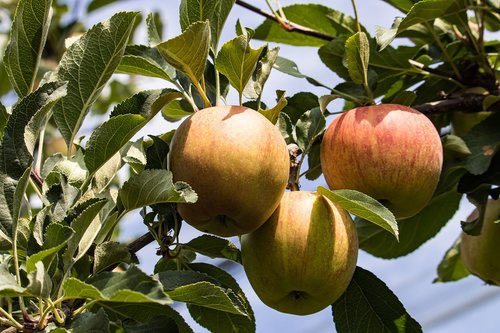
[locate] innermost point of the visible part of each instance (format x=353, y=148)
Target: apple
x=390, y=152
x=237, y=162
x=480, y=253
x=303, y=258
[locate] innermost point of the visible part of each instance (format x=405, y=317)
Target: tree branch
x=287, y=25
x=469, y=103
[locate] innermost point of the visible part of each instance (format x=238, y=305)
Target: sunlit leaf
x=87, y=65
x=154, y=186
x=364, y=206
x=27, y=40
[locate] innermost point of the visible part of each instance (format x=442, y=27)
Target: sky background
x=464, y=306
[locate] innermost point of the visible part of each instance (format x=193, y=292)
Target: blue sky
x=464, y=306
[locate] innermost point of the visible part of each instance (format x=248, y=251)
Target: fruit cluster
x=299, y=249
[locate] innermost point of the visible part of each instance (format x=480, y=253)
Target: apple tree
x=430, y=82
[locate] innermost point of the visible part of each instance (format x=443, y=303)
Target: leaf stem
x=355, y=8
x=430, y=28
x=9, y=320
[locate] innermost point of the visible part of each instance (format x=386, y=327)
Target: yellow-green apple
x=236, y=161
x=480, y=253
x=303, y=258
x=391, y=152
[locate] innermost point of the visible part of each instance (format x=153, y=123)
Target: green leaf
x=215, y=247
x=16, y=149
x=365, y=207
x=154, y=186
x=289, y=67
x=402, y=5
x=73, y=168
x=237, y=61
x=413, y=232
x=198, y=289
x=86, y=225
x=4, y=116
x=87, y=65
x=109, y=253
x=428, y=10
x=40, y=281
x=310, y=125
x=357, y=57
x=90, y=322
x=218, y=321
x=131, y=286
x=159, y=323
x=255, y=85
x=176, y=110
x=368, y=305
x=145, y=61
x=483, y=141
x=312, y=16
x=27, y=40
x=299, y=104
x=215, y=11
x=314, y=162
x=154, y=26
x=273, y=113
x=56, y=238
x=188, y=52
x=451, y=267
x=126, y=120
x=157, y=154
x=8, y=284
x=332, y=55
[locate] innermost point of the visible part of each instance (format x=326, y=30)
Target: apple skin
x=480, y=253
x=236, y=161
x=390, y=152
x=303, y=258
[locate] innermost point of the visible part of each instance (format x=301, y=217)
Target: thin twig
x=469, y=103
x=287, y=25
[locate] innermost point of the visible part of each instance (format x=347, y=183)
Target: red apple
x=391, y=152
x=236, y=161
x=303, y=258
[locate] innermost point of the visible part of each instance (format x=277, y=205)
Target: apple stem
x=293, y=178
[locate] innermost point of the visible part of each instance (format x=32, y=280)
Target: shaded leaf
x=40, y=282
x=154, y=186
x=16, y=149
x=366, y=207
x=87, y=65
x=255, y=85
x=413, y=231
x=310, y=125
x=27, y=40
x=289, y=67
x=451, y=267
x=483, y=141
x=4, y=116
x=90, y=322
x=368, y=305
x=8, y=284
x=109, y=253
